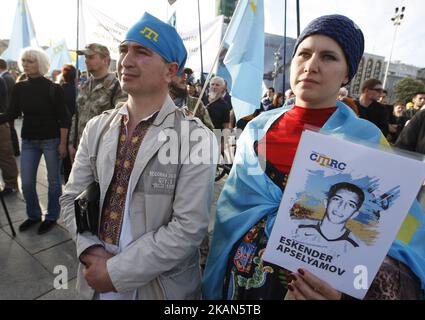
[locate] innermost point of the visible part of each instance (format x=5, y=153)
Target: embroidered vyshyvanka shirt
x=115, y=199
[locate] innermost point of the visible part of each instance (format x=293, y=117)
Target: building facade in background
x=274, y=47
x=370, y=66
x=397, y=72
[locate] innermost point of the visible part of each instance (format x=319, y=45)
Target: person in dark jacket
x=369, y=107
x=69, y=74
x=412, y=138
x=44, y=132
x=397, y=122
x=3, y=95
x=10, y=83
x=9, y=170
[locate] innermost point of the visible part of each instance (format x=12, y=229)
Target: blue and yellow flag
x=243, y=64
x=23, y=33
x=249, y=195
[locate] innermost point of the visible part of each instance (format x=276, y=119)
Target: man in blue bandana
x=151, y=226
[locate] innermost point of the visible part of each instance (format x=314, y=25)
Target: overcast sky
x=56, y=19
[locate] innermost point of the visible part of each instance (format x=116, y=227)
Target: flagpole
x=78, y=37
x=284, y=51
x=216, y=58
x=298, y=18
x=200, y=42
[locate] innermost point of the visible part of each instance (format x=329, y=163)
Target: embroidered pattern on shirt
x=113, y=210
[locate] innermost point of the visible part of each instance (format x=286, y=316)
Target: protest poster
x=342, y=208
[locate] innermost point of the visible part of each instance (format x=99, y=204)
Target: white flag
x=211, y=37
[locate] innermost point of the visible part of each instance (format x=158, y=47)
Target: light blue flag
x=244, y=59
x=82, y=63
x=23, y=33
x=58, y=56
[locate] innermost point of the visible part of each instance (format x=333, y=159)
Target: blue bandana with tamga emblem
x=160, y=38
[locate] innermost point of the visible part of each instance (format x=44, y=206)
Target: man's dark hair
x=385, y=91
x=189, y=76
x=271, y=88
x=188, y=71
x=370, y=84
x=347, y=186
x=3, y=64
x=418, y=92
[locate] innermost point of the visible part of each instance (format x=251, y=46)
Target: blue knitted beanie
x=344, y=31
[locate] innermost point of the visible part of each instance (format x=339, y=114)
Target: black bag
x=87, y=209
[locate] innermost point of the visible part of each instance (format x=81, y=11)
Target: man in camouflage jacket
x=101, y=92
x=182, y=99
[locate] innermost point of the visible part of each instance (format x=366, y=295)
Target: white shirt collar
x=124, y=112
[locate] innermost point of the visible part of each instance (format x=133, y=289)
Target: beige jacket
x=168, y=222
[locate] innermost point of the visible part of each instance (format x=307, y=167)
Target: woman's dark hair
x=69, y=74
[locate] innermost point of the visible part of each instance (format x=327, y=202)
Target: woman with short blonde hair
x=37, y=55
x=44, y=132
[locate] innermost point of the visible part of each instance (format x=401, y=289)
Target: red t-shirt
x=281, y=140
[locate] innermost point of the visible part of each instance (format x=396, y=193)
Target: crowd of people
x=154, y=212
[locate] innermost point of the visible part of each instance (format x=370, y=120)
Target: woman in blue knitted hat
x=325, y=58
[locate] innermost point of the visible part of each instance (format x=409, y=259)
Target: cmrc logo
x=326, y=161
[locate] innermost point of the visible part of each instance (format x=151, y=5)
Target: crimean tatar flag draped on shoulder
x=23, y=33
x=249, y=195
x=244, y=59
